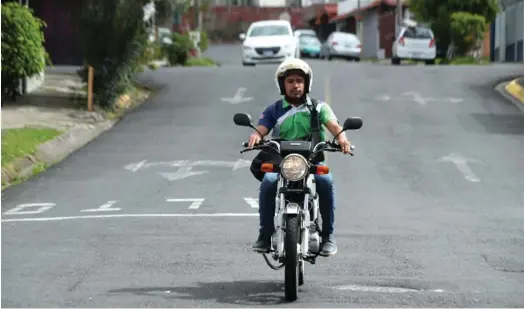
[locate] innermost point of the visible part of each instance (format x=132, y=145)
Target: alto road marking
x=105, y=207
x=19, y=210
x=253, y=202
x=208, y=215
x=195, y=202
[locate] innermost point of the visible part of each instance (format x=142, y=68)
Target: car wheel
x=430, y=62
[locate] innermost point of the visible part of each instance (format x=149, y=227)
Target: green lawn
x=19, y=142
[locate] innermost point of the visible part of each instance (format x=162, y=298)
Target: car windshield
x=269, y=30
x=309, y=39
x=418, y=33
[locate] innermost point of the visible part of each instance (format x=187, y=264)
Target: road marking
x=183, y=172
x=327, y=90
x=208, y=215
x=381, y=289
x=461, y=163
x=18, y=210
x=195, y=202
x=105, y=207
x=238, y=97
x=253, y=202
x=417, y=97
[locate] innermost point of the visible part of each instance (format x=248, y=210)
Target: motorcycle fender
x=291, y=208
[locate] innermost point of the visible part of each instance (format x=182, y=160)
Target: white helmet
x=292, y=65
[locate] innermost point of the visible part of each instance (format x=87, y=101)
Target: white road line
x=195, y=202
x=208, y=215
x=381, y=289
x=19, y=210
x=105, y=207
x=253, y=202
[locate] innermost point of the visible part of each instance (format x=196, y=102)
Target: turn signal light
x=267, y=167
x=322, y=170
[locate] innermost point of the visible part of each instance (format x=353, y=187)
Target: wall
x=509, y=34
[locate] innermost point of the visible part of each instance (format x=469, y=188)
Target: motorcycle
x=296, y=238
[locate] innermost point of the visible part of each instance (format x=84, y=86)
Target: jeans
x=268, y=191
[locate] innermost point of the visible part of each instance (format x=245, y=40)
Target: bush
x=114, y=38
x=204, y=42
x=467, y=30
x=23, y=52
x=178, y=51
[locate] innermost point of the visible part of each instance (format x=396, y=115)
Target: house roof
x=368, y=7
x=317, y=10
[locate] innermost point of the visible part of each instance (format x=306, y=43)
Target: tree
x=467, y=31
x=438, y=14
x=23, y=52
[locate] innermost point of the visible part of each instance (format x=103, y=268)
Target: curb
x=516, y=89
x=55, y=150
x=59, y=148
x=513, y=91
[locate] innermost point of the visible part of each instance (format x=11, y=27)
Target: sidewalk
x=46, y=125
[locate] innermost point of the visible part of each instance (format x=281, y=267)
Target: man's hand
x=253, y=139
x=344, y=143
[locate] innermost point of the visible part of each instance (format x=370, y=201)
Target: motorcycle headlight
x=294, y=167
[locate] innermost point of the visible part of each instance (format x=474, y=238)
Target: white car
x=414, y=42
x=269, y=41
x=342, y=45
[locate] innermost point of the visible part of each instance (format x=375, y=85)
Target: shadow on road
x=247, y=293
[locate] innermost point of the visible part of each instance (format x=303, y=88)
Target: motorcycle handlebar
x=333, y=147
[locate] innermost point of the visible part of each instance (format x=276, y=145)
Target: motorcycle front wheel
x=291, y=257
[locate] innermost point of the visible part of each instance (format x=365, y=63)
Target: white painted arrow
x=462, y=165
x=183, y=172
x=417, y=97
x=238, y=97
x=240, y=163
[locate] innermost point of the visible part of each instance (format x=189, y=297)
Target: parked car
x=414, y=42
x=305, y=32
x=309, y=46
x=342, y=45
x=269, y=41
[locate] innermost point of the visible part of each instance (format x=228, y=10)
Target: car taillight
x=359, y=46
x=334, y=43
x=432, y=43
x=401, y=41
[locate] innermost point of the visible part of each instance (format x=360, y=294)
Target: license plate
x=415, y=54
x=268, y=53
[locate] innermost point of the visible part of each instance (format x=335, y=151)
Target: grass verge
x=19, y=142
x=202, y=62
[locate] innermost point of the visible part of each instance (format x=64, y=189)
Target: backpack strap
x=315, y=128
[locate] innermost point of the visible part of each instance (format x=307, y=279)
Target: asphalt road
x=412, y=231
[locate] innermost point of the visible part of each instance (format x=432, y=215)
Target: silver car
x=342, y=45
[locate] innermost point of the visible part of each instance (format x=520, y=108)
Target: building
x=507, y=32
x=377, y=18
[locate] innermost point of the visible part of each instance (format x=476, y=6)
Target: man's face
x=294, y=84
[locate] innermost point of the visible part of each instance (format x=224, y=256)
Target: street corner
x=513, y=91
x=516, y=89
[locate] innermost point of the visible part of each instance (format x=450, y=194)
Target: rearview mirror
x=242, y=36
x=353, y=123
x=243, y=120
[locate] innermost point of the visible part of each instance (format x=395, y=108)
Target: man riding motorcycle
x=289, y=119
